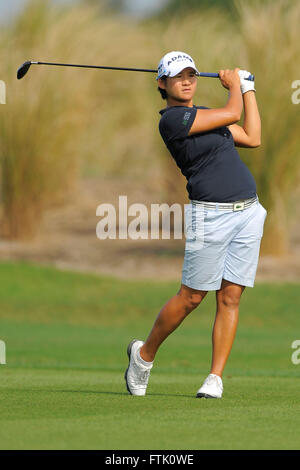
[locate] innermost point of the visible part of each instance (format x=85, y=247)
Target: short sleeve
x=177, y=122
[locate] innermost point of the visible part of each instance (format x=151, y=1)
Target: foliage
x=60, y=124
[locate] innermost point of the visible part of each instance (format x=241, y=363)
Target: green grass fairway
x=63, y=386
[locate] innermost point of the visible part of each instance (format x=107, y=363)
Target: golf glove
x=246, y=85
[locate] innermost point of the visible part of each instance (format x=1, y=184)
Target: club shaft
x=202, y=74
x=95, y=67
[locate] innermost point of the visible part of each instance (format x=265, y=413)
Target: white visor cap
x=173, y=62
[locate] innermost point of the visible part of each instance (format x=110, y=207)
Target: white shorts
x=221, y=244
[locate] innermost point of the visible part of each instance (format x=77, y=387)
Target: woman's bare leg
x=169, y=318
x=226, y=321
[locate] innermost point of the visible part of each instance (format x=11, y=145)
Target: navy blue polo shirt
x=208, y=160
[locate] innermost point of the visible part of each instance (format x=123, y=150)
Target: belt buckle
x=238, y=206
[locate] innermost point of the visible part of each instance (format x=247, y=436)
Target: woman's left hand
x=246, y=85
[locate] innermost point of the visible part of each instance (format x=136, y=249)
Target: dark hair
x=163, y=92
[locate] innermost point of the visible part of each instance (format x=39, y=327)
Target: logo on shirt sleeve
x=186, y=117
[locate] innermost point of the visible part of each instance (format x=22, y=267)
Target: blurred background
x=71, y=139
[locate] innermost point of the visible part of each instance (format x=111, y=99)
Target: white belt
x=233, y=206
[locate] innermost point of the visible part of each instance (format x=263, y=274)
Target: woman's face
x=182, y=87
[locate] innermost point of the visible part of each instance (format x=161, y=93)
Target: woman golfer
x=224, y=219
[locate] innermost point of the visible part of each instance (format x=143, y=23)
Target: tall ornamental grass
x=40, y=124
x=270, y=34
x=60, y=124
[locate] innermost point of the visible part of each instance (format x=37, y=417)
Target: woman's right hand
x=229, y=78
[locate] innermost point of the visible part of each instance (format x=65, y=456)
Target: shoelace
x=212, y=379
x=142, y=376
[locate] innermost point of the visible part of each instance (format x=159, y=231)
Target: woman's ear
x=162, y=83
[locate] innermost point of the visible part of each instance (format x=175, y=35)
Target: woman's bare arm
x=208, y=119
x=249, y=134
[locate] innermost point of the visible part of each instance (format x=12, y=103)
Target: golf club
x=25, y=67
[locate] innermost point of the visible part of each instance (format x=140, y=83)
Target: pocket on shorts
x=262, y=219
x=193, y=227
x=265, y=211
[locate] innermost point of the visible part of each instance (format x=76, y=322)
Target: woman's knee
x=191, y=297
x=229, y=295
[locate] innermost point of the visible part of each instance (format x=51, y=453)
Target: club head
x=23, y=69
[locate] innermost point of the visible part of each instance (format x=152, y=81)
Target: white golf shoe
x=137, y=373
x=212, y=387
